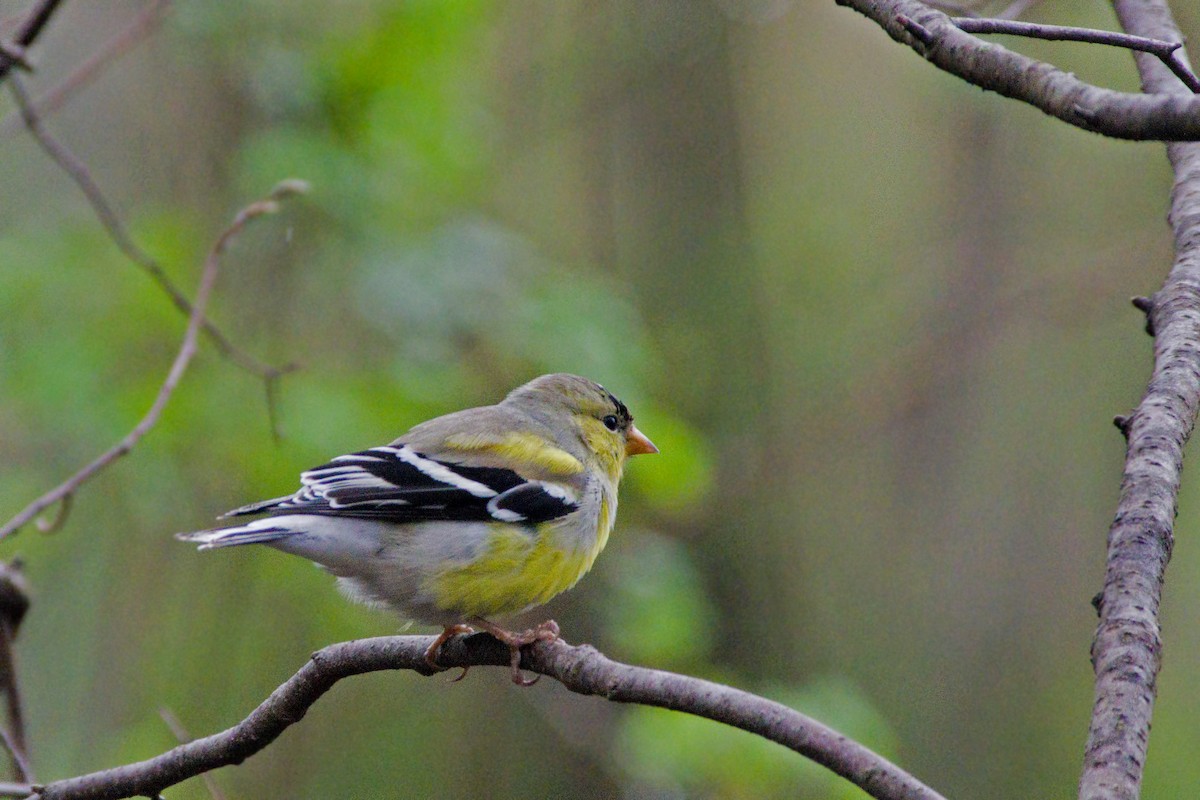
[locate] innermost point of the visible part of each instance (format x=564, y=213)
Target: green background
x=876, y=320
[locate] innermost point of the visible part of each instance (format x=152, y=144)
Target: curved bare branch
x=581, y=669
x=1163, y=115
x=78, y=172
x=187, y=349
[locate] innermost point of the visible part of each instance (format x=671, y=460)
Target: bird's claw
x=547, y=631
x=434, y=650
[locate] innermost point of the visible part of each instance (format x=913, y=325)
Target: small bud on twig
x=1121, y=421
x=1146, y=306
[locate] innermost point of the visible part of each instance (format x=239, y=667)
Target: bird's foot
x=547, y=631
x=432, y=652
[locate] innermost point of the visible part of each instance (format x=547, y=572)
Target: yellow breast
x=517, y=571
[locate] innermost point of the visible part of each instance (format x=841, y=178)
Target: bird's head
x=601, y=421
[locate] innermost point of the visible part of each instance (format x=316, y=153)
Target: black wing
x=397, y=484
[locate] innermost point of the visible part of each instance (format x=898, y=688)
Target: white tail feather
x=254, y=533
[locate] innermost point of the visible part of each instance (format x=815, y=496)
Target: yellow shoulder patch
x=522, y=448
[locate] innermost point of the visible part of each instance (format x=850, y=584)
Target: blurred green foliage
x=874, y=320
x=698, y=758
x=655, y=610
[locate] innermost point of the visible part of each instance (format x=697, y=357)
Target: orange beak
x=637, y=444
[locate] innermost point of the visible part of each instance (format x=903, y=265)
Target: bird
x=481, y=513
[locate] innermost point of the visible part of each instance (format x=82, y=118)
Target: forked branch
x=1127, y=648
x=12, y=54
x=1161, y=115
x=143, y=24
x=1164, y=51
x=78, y=172
x=67, y=488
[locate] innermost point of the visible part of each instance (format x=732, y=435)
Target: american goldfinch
x=481, y=513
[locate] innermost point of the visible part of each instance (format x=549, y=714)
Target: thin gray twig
x=111, y=221
x=180, y=732
x=184, y=357
x=1165, y=51
x=144, y=23
x=13, y=55
x=23, y=769
x=1017, y=8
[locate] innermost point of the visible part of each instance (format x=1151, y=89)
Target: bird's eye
x=611, y=422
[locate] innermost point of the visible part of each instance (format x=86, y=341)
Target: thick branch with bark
x=1127, y=650
x=1164, y=115
x=581, y=669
